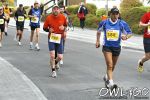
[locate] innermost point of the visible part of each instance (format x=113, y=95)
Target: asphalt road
x=80, y=78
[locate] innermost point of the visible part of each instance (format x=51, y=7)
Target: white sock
x=31, y=43
x=111, y=82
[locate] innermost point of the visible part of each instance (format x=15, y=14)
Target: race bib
x=55, y=38
x=35, y=20
x=20, y=18
x=1, y=21
x=112, y=35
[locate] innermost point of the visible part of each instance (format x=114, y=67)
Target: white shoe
x=19, y=43
x=54, y=74
x=31, y=47
x=0, y=45
x=61, y=62
x=37, y=48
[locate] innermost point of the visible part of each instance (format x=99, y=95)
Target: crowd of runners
x=115, y=30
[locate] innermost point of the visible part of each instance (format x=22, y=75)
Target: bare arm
x=98, y=39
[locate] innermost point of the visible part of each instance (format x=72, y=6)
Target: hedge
x=100, y=12
x=133, y=18
x=74, y=8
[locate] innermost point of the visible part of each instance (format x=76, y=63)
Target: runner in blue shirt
x=115, y=30
x=35, y=16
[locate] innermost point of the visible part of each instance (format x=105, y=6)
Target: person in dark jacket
x=20, y=16
x=84, y=10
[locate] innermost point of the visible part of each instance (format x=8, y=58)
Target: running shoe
x=61, y=62
x=31, y=47
x=6, y=34
x=140, y=67
x=19, y=43
x=54, y=74
x=37, y=48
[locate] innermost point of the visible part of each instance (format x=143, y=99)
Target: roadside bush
x=133, y=17
x=92, y=21
x=100, y=12
x=91, y=8
x=128, y=4
x=74, y=9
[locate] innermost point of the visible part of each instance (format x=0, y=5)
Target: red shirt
x=145, y=19
x=55, y=22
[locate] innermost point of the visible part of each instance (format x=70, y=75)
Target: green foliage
x=72, y=9
x=128, y=4
x=91, y=8
x=100, y=12
x=92, y=21
x=133, y=18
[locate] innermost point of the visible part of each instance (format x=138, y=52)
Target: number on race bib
x=20, y=18
x=35, y=20
x=1, y=21
x=55, y=38
x=112, y=35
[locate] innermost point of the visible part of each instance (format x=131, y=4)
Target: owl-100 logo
x=120, y=93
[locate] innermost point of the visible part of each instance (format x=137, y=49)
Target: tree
x=128, y=4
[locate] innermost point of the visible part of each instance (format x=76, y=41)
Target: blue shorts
x=59, y=47
x=146, y=43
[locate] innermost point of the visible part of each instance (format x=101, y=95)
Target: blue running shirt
x=113, y=32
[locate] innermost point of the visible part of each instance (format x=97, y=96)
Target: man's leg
x=6, y=26
x=31, y=39
x=37, y=38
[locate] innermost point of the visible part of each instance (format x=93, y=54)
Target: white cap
x=55, y=6
x=36, y=2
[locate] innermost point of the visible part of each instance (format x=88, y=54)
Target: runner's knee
x=60, y=57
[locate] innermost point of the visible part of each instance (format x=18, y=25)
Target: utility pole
x=106, y=6
x=56, y=2
x=64, y=3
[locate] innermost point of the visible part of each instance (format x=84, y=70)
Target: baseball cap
x=114, y=10
x=36, y=2
x=55, y=6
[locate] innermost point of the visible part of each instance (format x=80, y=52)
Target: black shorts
x=20, y=28
x=114, y=50
x=2, y=28
x=34, y=27
x=146, y=43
